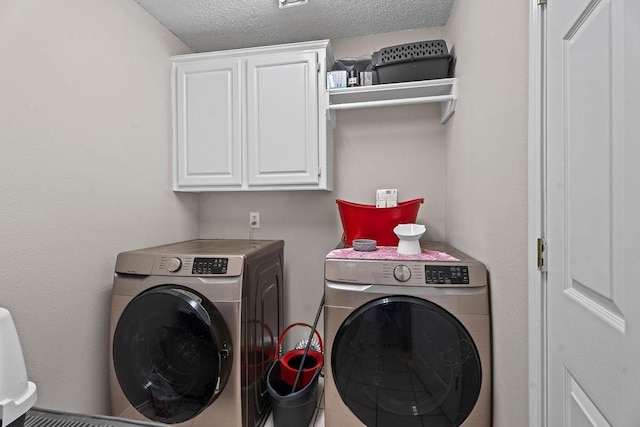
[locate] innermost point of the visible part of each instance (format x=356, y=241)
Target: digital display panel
x=210, y=266
x=446, y=275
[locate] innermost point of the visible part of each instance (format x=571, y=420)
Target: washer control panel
x=438, y=274
x=446, y=275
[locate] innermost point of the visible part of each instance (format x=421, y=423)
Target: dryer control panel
x=210, y=266
x=202, y=266
x=183, y=265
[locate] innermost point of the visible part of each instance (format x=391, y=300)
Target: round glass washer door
x=405, y=361
x=171, y=353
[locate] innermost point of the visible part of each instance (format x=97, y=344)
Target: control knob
x=174, y=265
x=402, y=273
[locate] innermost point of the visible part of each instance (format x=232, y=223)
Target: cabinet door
x=208, y=123
x=282, y=119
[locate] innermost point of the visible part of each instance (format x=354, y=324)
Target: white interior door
x=593, y=213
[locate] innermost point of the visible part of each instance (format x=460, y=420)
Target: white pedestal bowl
x=409, y=235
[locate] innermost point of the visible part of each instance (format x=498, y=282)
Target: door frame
x=537, y=214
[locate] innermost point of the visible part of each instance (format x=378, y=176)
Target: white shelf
x=443, y=91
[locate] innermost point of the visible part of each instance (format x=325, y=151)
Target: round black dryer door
x=171, y=353
x=404, y=361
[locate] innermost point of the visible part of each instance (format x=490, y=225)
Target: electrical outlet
x=254, y=219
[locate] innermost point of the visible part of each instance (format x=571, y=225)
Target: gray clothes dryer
x=194, y=328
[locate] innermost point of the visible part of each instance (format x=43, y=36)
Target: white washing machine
x=194, y=329
x=407, y=339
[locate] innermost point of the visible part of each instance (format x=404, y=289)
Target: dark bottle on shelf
x=352, y=79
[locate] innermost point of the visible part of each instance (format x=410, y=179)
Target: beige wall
x=400, y=147
x=85, y=142
x=486, y=184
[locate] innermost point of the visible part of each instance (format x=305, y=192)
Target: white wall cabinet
x=253, y=119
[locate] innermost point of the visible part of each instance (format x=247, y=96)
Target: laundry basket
x=423, y=60
x=369, y=222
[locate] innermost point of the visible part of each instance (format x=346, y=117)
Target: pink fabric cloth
x=390, y=253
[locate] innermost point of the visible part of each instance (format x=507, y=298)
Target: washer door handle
x=225, y=352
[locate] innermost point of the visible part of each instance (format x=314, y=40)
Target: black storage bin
x=409, y=62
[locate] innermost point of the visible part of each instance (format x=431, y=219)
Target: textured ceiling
x=208, y=25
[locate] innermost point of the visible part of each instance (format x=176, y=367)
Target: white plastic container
x=17, y=394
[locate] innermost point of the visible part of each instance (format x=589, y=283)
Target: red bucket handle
x=281, y=338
